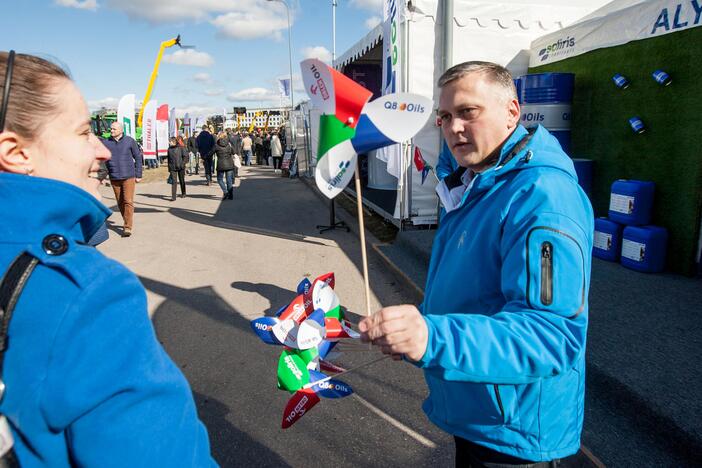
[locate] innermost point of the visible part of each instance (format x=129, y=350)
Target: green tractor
x=101, y=121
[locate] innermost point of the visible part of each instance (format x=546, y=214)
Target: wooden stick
x=362, y=235
x=353, y=369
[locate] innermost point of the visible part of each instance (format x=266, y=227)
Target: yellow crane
x=154, y=73
x=253, y=121
x=268, y=116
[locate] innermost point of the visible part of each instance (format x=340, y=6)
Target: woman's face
x=66, y=148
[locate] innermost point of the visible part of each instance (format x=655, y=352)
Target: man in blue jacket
x=125, y=169
x=206, y=145
x=501, y=331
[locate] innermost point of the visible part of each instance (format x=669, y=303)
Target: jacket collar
x=33, y=207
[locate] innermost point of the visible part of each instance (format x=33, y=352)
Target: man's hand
x=397, y=330
x=138, y=180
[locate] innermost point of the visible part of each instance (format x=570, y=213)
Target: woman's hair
x=33, y=97
x=221, y=135
x=172, y=141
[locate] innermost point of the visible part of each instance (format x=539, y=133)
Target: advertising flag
x=172, y=124
x=392, y=155
x=148, y=131
x=187, y=130
x=284, y=86
x=125, y=114
x=162, y=130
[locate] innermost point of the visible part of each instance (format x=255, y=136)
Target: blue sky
x=110, y=46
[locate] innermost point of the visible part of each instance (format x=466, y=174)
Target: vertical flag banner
x=148, y=130
x=162, y=130
x=284, y=86
x=172, y=125
x=187, y=130
x=349, y=124
x=125, y=114
x=392, y=68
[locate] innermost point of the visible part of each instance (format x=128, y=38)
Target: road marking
x=415, y=435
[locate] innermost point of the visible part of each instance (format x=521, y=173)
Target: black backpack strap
x=10, y=289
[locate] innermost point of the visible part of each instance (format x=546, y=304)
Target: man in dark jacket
x=177, y=155
x=194, y=156
x=206, y=143
x=235, y=141
x=125, y=170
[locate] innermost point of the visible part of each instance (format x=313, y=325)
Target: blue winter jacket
x=88, y=384
x=126, y=161
x=506, y=305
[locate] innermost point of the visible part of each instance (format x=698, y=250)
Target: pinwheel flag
x=349, y=124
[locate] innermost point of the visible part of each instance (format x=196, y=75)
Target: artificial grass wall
x=668, y=153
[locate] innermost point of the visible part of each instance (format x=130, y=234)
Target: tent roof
x=366, y=43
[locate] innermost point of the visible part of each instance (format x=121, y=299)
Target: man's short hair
x=204, y=127
x=495, y=73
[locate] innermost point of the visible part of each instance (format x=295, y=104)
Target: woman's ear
x=14, y=155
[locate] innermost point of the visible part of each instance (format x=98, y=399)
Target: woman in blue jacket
x=86, y=381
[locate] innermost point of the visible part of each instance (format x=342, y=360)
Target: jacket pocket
x=556, y=271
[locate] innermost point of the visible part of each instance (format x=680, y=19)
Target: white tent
x=617, y=23
x=500, y=32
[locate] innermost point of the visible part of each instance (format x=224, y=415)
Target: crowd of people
x=500, y=334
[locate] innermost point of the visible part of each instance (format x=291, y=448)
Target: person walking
x=125, y=169
x=85, y=381
x=258, y=147
x=235, y=141
x=503, y=351
x=206, y=143
x=193, y=156
x=225, y=166
x=267, y=149
x=276, y=153
x=246, y=148
x=177, y=155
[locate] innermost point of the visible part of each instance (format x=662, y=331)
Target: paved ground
x=209, y=266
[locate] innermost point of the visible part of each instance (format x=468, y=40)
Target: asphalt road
x=210, y=266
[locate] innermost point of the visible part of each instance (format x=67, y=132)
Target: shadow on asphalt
x=199, y=330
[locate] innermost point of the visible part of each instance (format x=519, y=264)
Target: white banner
x=284, y=86
x=187, y=125
x=172, y=125
x=392, y=68
x=148, y=130
x=636, y=21
x=125, y=114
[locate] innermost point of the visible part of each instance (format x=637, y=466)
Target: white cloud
x=238, y=19
x=373, y=21
x=375, y=6
x=202, y=77
x=251, y=24
x=81, y=5
x=189, y=57
x=214, y=92
x=318, y=52
x=108, y=103
x=254, y=94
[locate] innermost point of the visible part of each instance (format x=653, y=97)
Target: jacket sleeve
x=541, y=329
x=112, y=388
x=138, y=159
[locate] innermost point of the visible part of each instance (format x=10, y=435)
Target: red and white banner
x=162, y=130
x=148, y=130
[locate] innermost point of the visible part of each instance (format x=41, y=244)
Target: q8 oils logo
x=405, y=107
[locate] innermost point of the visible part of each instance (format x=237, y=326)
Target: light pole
x=292, y=93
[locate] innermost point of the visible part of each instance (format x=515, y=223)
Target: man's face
x=476, y=118
x=116, y=130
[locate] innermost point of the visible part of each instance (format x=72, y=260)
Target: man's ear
x=14, y=156
x=514, y=113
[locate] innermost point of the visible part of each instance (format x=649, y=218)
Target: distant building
x=276, y=116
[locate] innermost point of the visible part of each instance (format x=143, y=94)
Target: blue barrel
x=607, y=243
x=631, y=202
x=547, y=99
x=518, y=85
x=644, y=248
x=583, y=168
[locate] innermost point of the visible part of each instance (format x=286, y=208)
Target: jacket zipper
x=546, y=273
x=499, y=402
